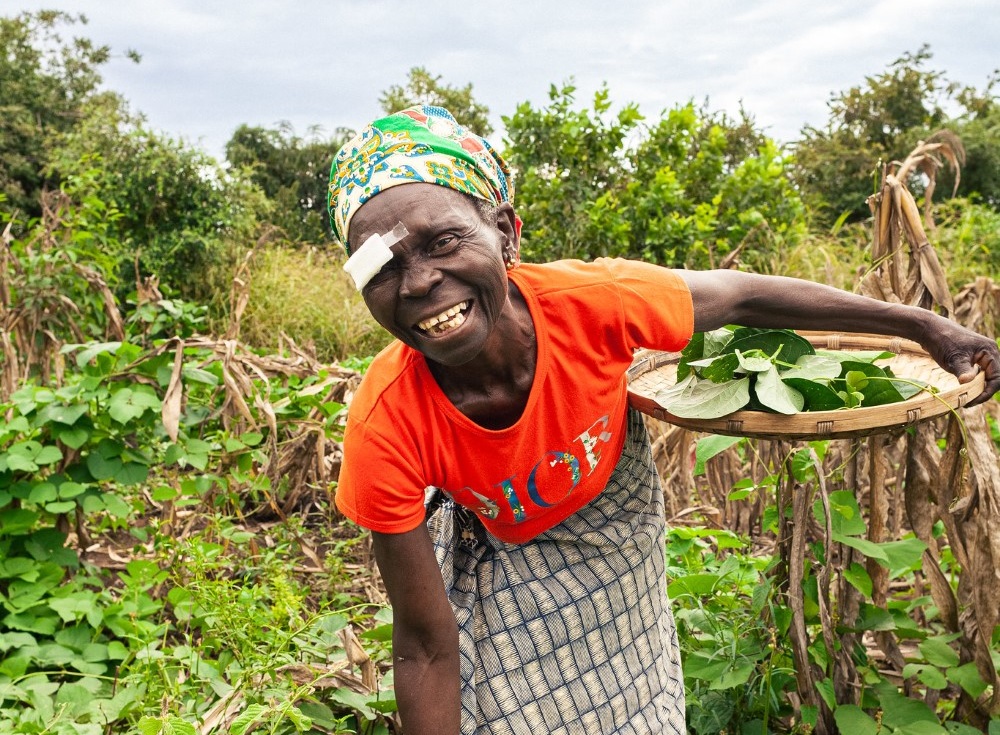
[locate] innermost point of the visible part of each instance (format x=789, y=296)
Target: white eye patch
x=375, y=252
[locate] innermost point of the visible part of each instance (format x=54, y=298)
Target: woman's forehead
x=413, y=204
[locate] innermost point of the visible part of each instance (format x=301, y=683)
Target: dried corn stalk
x=961, y=486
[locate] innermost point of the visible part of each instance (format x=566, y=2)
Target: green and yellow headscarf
x=422, y=144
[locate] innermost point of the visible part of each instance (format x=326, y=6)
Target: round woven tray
x=653, y=371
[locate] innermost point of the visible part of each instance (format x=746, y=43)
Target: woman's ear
x=509, y=225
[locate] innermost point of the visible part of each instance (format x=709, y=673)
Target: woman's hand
x=964, y=354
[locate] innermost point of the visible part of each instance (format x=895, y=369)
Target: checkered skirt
x=571, y=632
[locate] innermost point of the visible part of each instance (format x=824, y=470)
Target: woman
x=491, y=446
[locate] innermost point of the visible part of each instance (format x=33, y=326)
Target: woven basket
x=653, y=371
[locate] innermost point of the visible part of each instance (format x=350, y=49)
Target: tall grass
x=304, y=293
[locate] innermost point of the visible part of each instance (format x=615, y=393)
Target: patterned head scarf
x=420, y=144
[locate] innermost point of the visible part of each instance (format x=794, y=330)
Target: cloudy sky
x=211, y=65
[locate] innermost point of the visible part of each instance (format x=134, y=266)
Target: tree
x=566, y=159
x=44, y=81
x=175, y=207
x=422, y=88
x=837, y=166
x=293, y=172
x=684, y=191
x=979, y=130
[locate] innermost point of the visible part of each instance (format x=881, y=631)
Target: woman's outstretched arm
x=730, y=297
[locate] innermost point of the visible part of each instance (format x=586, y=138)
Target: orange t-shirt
x=403, y=435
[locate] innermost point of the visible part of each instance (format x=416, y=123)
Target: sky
x=209, y=66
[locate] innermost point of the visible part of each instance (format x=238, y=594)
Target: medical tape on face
x=372, y=255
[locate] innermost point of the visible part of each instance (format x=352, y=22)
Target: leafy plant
x=776, y=370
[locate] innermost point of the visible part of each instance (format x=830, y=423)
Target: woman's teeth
x=445, y=321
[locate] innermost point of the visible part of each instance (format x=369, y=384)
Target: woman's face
x=446, y=286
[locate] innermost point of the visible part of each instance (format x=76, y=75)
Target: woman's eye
x=443, y=244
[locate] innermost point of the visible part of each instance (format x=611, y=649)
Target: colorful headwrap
x=420, y=144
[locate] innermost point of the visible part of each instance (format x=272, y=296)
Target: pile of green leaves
x=776, y=370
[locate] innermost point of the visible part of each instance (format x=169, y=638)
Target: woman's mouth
x=445, y=321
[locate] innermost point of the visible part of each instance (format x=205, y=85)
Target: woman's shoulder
x=560, y=275
x=388, y=372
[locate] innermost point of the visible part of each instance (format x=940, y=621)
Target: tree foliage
x=44, y=81
x=837, y=166
x=423, y=88
x=292, y=171
x=176, y=207
x=683, y=191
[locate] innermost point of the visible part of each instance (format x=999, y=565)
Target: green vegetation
x=170, y=557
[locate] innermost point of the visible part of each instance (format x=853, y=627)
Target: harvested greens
x=776, y=370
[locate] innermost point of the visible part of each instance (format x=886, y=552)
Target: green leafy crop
x=776, y=370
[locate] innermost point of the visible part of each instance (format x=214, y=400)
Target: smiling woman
x=516, y=512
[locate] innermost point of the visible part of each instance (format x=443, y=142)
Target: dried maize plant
x=303, y=461
x=959, y=486
x=42, y=304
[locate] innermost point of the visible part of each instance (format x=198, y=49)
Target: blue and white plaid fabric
x=571, y=632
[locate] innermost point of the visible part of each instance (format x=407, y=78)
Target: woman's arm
x=730, y=297
x=424, y=633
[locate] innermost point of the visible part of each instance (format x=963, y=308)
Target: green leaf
x=825, y=689
x=869, y=549
x=92, y=350
x=382, y=633
x=754, y=362
x=928, y=675
x=62, y=414
x=716, y=340
x=116, y=506
x=693, y=584
x=251, y=438
x=773, y=393
x=845, y=514
x=132, y=473
x=703, y=399
x=786, y=344
x=355, y=701
x=42, y=492
x=250, y=715
x=904, y=713
x=967, y=676
x=128, y=404
x=904, y=554
x=871, y=617
x=813, y=367
x=735, y=677
x=959, y=728
x=852, y=719
x=701, y=666
x=720, y=369
x=873, y=382
x=857, y=575
x=842, y=356
x=17, y=521
x=817, y=397
x=73, y=437
x=69, y=490
x=710, y=446
x=103, y=468
x=62, y=506
x=166, y=725
x=48, y=454
x=937, y=651
x=164, y=493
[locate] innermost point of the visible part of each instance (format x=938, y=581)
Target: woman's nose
x=419, y=278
